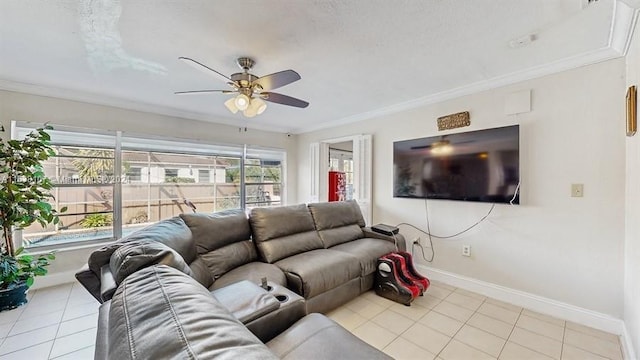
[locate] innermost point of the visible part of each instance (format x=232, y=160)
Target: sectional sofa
x=315, y=256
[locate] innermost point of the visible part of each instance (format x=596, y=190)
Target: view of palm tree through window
x=153, y=186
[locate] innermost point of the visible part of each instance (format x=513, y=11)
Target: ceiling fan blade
x=202, y=67
x=192, y=92
x=276, y=80
x=283, y=99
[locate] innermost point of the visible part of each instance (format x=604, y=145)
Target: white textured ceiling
x=357, y=58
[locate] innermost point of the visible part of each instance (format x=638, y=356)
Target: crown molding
x=625, y=16
x=104, y=100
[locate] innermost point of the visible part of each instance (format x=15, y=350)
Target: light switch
x=577, y=190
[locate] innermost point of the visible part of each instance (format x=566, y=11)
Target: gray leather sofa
x=161, y=313
x=322, y=252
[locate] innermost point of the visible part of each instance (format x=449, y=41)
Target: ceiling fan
x=250, y=89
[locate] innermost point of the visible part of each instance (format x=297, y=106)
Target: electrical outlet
x=466, y=250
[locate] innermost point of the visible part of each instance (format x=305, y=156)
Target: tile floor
x=57, y=323
x=447, y=323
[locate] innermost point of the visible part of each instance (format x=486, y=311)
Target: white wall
x=24, y=107
x=562, y=248
x=632, y=240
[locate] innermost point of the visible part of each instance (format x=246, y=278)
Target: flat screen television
x=481, y=165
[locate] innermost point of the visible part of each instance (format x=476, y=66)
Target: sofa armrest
x=246, y=300
x=90, y=281
x=315, y=336
x=107, y=283
x=398, y=238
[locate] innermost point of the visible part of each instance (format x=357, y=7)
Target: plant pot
x=14, y=297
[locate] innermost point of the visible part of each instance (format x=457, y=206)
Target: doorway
x=351, y=155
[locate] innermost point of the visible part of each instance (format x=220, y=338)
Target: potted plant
x=24, y=199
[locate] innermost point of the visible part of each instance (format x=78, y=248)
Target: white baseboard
x=537, y=303
x=53, y=280
x=627, y=345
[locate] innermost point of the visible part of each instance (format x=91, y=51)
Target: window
x=114, y=184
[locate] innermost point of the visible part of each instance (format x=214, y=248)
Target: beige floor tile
x=594, y=332
x=470, y=294
x=514, y=351
x=402, y=349
x=86, y=353
x=36, y=310
x=426, y=338
x=37, y=322
x=365, y=308
x=10, y=316
x=374, y=335
x=453, y=311
x=456, y=350
x=413, y=312
x=71, y=343
x=80, y=297
x=543, y=317
x=491, y=325
x=541, y=327
x=347, y=318
x=4, y=330
x=536, y=342
x=503, y=304
x=78, y=324
x=441, y=323
x=379, y=300
x=593, y=344
x=464, y=301
x=25, y=340
x=72, y=312
x=54, y=293
x=439, y=292
x=393, y=321
x=573, y=353
x=499, y=313
x=427, y=301
x=36, y=352
x=480, y=340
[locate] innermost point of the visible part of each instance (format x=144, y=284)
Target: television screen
x=471, y=166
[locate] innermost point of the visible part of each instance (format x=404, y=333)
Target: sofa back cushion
x=172, y=232
x=161, y=313
x=223, y=239
x=136, y=255
x=283, y=231
x=337, y=222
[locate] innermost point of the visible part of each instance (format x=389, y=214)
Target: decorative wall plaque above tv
x=453, y=121
x=479, y=165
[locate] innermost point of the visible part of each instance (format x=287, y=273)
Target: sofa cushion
x=283, y=231
x=254, y=272
x=135, y=255
x=317, y=271
x=337, y=222
x=161, y=313
x=367, y=250
x=317, y=337
x=229, y=257
x=172, y=232
x=215, y=230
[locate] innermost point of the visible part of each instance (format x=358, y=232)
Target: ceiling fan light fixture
x=257, y=105
x=231, y=105
x=242, y=102
x=250, y=112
